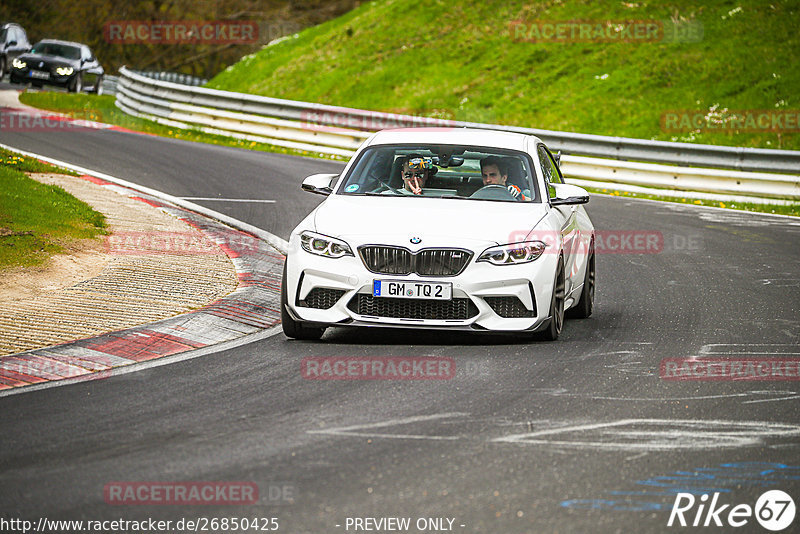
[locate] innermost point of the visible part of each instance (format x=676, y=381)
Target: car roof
x=58, y=41
x=453, y=136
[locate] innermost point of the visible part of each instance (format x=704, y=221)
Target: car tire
x=556, y=324
x=292, y=328
x=2, y=67
x=77, y=84
x=585, y=305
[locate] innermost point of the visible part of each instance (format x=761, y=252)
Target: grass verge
x=38, y=220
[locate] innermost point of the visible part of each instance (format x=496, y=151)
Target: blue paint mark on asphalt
x=723, y=479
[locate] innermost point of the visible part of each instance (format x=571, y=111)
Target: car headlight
x=513, y=253
x=322, y=245
x=19, y=64
x=64, y=71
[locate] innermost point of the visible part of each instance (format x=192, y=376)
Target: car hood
x=436, y=221
x=49, y=61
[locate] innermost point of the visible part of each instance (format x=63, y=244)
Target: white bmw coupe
x=442, y=228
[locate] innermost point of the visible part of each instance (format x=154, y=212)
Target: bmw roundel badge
x=416, y=240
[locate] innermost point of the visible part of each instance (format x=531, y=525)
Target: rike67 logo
x=774, y=510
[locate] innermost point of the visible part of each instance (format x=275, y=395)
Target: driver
x=415, y=172
x=495, y=172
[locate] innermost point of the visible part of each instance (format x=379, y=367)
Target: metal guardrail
x=339, y=130
x=110, y=82
x=733, y=183
x=174, y=77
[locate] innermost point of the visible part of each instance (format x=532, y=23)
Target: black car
x=59, y=63
x=13, y=42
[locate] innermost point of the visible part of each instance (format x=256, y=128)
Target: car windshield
x=465, y=172
x=56, y=49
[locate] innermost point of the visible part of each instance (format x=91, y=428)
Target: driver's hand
x=515, y=191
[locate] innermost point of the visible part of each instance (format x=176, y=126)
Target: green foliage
x=462, y=61
x=87, y=21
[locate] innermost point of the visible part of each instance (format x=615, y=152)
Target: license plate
x=406, y=289
x=39, y=74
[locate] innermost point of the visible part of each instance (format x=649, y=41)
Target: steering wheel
x=493, y=192
x=383, y=187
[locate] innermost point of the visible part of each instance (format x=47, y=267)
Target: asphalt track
x=580, y=435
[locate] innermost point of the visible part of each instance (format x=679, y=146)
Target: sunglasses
x=409, y=175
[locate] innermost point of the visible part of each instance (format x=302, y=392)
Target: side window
x=548, y=171
x=557, y=177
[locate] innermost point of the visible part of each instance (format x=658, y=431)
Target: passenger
x=415, y=172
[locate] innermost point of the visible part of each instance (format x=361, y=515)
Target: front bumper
x=511, y=298
x=23, y=76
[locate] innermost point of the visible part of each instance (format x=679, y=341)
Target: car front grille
x=509, y=307
x=321, y=298
x=457, y=309
x=387, y=260
x=427, y=262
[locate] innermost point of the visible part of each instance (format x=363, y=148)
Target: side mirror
x=12, y=43
x=567, y=194
x=319, y=183
x=557, y=157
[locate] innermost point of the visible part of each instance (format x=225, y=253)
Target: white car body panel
x=472, y=225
